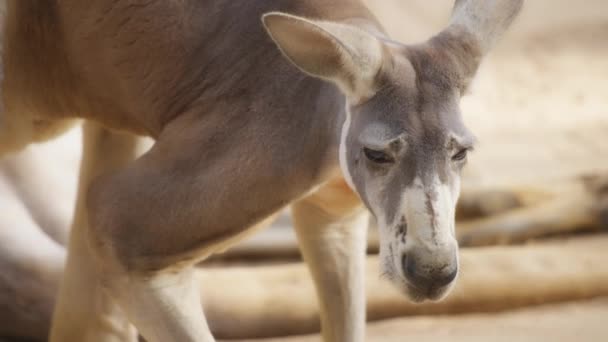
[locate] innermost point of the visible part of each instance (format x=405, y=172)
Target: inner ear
x=312, y=49
x=343, y=54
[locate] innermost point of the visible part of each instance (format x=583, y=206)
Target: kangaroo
x=253, y=106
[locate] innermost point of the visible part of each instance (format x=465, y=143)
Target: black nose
x=426, y=276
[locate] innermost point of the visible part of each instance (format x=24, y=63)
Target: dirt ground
x=583, y=321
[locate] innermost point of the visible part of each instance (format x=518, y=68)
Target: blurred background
x=532, y=219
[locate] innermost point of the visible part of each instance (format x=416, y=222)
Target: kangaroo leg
x=83, y=311
x=190, y=196
x=331, y=226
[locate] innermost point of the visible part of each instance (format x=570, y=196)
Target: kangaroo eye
x=378, y=157
x=461, y=155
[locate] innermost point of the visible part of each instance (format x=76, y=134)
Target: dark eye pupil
x=377, y=156
x=460, y=155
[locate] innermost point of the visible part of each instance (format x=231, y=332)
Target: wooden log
x=581, y=206
x=265, y=301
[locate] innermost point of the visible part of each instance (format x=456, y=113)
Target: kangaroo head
x=403, y=143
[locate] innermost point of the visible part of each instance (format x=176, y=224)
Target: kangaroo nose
x=428, y=276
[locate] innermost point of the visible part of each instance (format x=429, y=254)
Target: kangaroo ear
x=475, y=27
x=484, y=20
x=343, y=54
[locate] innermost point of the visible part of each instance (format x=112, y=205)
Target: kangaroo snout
x=430, y=272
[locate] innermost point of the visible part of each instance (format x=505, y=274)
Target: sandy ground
x=583, y=321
